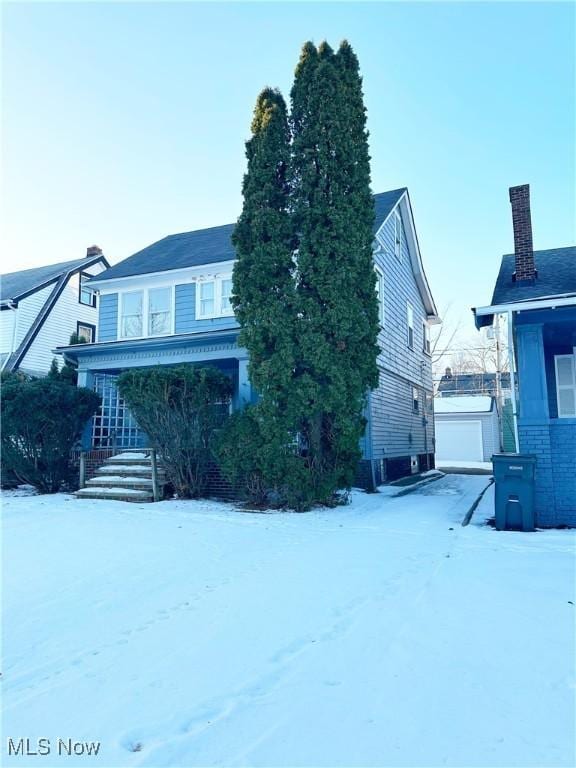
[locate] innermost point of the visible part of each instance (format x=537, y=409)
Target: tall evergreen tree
x=337, y=313
x=264, y=302
x=304, y=285
x=263, y=292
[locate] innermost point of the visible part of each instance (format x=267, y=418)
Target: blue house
x=170, y=303
x=536, y=290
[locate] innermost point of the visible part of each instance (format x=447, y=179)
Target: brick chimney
x=93, y=250
x=522, y=223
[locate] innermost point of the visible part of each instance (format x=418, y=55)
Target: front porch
x=99, y=366
x=546, y=355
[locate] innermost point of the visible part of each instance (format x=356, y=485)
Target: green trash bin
x=514, y=498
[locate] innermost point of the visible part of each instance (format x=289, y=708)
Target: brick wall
x=563, y=445
x=554, y=445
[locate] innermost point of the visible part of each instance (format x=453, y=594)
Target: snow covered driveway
x=379, y=634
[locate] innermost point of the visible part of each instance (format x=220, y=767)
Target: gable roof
x=22, y=284
x=209, y=246
x=17, y=285
x=556, y=269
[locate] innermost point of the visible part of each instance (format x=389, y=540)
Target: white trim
x=570, y=387
x=169, y=277
x=380, y=287
x=410, y=325
x=397, y=234
x=217, y=312
x=426, y=341
x=146, y=312
x=523, y=306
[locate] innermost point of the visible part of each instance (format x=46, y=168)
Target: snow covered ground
x=379, y=634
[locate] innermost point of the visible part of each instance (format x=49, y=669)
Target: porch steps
x=124, y=477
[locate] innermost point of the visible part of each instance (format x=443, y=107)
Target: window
x=225, y=304
x=159, y=311
x=86, y=295
x=410, y=318
x=426, y=346
x=566, y=385
x=86, y=332
x=131, y=314
x=397, y=234
x=213, y=298
x=380, y=294
x=415, y=399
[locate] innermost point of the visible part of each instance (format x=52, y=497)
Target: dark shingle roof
x=472, y=383
x=15, y=284
x=207, y=246
x=556, y=276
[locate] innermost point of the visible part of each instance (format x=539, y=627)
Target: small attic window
x=397, y=234
x=86, y=295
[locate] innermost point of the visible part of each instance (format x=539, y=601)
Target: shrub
x=180, y=409
x=42, y=420
x=257, y=454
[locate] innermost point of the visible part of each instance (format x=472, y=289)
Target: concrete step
x=120, y=481
x=115, y=494
x=126, y=458
x=128, y=470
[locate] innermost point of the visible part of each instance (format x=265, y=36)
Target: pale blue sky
x=123, y=123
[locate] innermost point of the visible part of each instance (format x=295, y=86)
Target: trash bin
x=514, y=478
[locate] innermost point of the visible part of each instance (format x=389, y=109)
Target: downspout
x=512, y=365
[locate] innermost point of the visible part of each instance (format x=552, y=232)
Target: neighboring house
x=41, y=308
x=170, y=303
x=537, y=291
x=452, y=384
x=467, y=428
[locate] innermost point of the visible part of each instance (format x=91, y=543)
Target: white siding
x=60, y=325
x=7, y=317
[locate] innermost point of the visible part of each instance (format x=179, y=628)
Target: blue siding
x=186, y=313
x=397, y=430
x=108, y=317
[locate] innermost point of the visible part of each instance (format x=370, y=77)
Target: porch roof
x=77, y=352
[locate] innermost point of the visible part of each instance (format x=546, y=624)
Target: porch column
x=243, y=396
x=533, y=392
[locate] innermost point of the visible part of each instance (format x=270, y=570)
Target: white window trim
x=380, y=284
x=426, y=341
x=572, y=387
x=397, y=234
x=217, y=280
x=410, y=325
x=145, y=312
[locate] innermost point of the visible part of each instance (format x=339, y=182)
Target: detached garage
x=466, y=428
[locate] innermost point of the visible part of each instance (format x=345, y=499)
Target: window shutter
x=566, y=385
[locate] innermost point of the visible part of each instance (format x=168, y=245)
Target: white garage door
x=459, y=440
